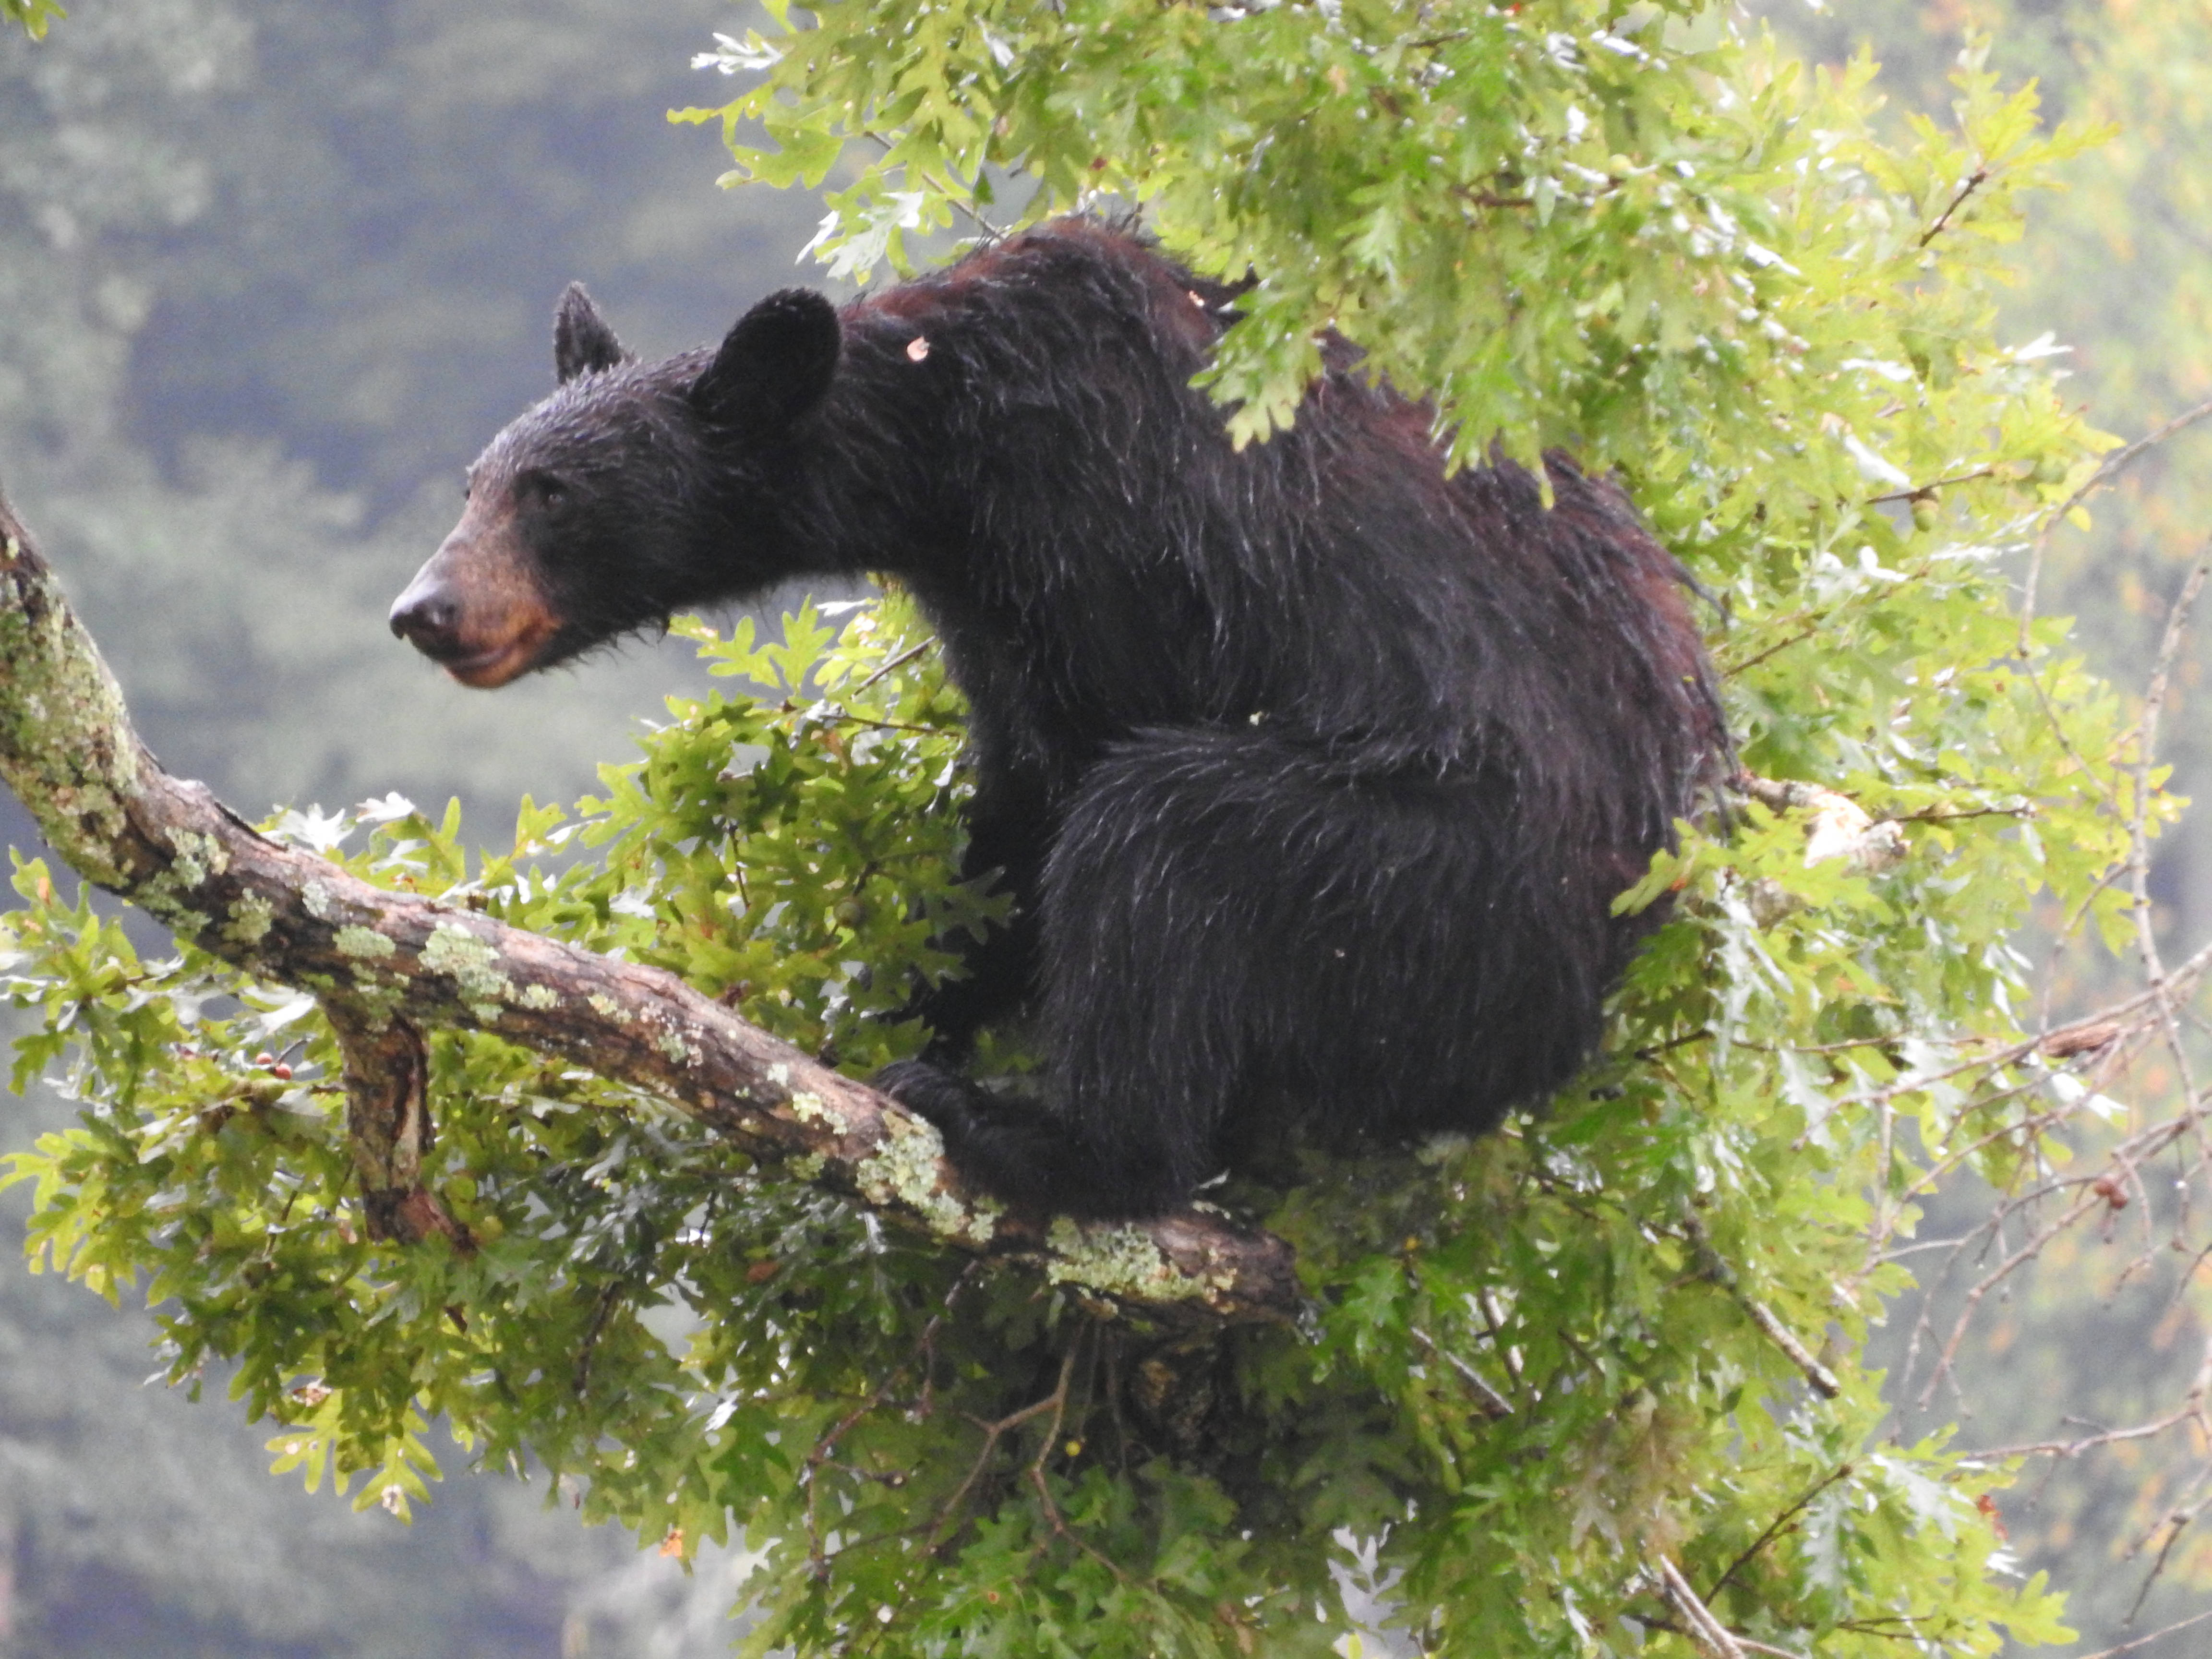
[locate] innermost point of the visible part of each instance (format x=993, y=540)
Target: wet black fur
x=1313, y=771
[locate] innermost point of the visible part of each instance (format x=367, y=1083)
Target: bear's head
x=634, y=490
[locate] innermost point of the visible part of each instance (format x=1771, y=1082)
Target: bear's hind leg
x=1236, y=923
x=1140, y=960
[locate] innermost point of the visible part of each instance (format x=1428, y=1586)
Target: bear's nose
x=428, y=617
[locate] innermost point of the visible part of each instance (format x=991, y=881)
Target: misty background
x=270, y=274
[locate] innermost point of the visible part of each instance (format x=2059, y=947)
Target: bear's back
x=1118, y=556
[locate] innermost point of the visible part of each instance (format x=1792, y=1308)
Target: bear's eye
x=542, y=488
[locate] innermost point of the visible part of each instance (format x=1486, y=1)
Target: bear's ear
x=582, y=342
x=774, y=367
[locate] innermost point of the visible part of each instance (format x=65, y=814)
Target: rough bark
x=387, y=966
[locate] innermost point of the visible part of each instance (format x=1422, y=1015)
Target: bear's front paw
x=945, y=1099
x=1009, y=1148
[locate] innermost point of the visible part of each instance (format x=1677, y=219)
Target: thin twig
x=2017, y=1258
x=1042, y=1487
x=1842, y=1471
x=1707, y=1631
x=2110, y=468
x=1492, y=1404
x=1743, y=1641
x=1485, y=198
x=899, y=661
x=2177, y=1523
x=2177, y=982
x=2177, y=625
x=990, y=230
x=1974, y=182
x=1495, y=1321
x=2093, y=1195
x=2072, y=1449
x=1823, y=1381
x=1730, y=669
x=1713, y=1266
x=1927, y=491
x=2145, y=1641
x=994, y=1432
x=602, y=1310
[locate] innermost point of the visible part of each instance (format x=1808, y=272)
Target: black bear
x=1312, y=770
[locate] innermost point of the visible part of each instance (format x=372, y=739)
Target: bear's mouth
x=489, y=667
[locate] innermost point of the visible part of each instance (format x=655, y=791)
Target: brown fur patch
x=504, y=621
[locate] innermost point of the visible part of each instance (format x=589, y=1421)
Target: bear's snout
x=475, y=610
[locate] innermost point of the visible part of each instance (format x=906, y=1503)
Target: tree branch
x=386, y=967
x=2110, y=468
x=1711, y=1635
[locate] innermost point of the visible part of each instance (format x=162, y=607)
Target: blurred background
x=272, y=271
x=2108, y=1330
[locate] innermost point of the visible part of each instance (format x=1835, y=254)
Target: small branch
x=1975, y=180
x=899, y=661
x=1927, y=492
x=603, y=1308
x=944, y=1526
x=2176, y=1523
x=1712, y=1267
x=2107, y=470
x=1840, y=827
x=1707, y=1631
x=388, y=1125
x=2070, y=1449
x=1042, y=1487
x=387, y=966
x=1491, y=1404
x=1975, y=1296
x=2094, y=1194
x=991, y=231
x=1484, y=198
x=1823, y=1380
x=2124, y=1016
x=1960, y=815
x=2176, y=626
x=2145, y=1641
x=1743, y=1641
x=1730, y=669
x=1775, y=1529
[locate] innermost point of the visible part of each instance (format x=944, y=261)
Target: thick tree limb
x=386, y=966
